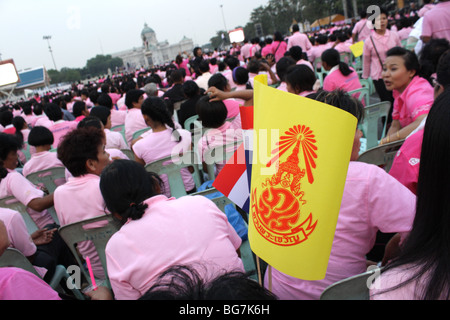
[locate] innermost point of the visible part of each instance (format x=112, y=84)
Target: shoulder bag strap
x=379, y=59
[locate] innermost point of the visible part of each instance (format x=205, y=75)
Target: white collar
x=336, y=67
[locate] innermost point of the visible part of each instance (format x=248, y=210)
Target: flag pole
x=258, y=267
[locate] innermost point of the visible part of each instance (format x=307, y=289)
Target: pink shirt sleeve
x=22, y=189
x=18, y=235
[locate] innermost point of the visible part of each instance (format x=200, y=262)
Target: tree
x=100, y=64
x=218, y=42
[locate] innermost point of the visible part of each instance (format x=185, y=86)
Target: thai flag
x=234, y=180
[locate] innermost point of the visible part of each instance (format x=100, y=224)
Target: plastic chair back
x=172, y=166
x=353, y=288
x=363, y=96
x=80, y=231
x=192, y=121
x=346, y=57
x=48, y=177
x=373, y=115
x=26, y=150
x=14, y=204
x=14, y=258
x=382, y=156
x=120, y=129
x=221, y=202
x=128, y=153
x=138, y=133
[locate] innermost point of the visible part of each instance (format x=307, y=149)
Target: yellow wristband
x=398, y=135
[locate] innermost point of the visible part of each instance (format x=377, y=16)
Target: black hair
x=105, y=100
x=213, y=114
x=53, y=112
x=232, y=62
x=18, y=123
x=240, y=76
x=184, y=282
x=27, y=108
x=295, y=28
x=277, y=36
x=333, y=58
x=409, y=58
x=301, y=78
x=342, y=100
x=218, y=81
x=426, y=246
x=40, y=136
x=8, y=143
x=90, y=121
x=133, y=96
x=102, y=113
x=443, y=70
x=38, y=109
x=204, y=66
x=79, y=146
x=430, y=55
x=253, y=66
x=125, y=185
x=6, y=117
x=78, y=108
x=282, y=66
x=157, y=109
x=296, y=53
x=191, y=89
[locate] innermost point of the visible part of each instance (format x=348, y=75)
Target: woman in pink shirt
x=413, y=94
x=158, y=232
x=163, y=141
x=340, y=75
x=221, y=83
x=279, y=46
x=421, y=271
x=213, y=115
x=82, y=152
x=114, y=140
x=300, y=80
x=367, y=206
x=376, y=45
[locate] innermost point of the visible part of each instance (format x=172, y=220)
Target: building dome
x=147, y=29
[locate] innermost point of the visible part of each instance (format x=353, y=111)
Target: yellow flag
x=301, y=153
x=357, y=49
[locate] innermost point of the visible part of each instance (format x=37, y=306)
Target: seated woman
x=163, y=141
x=158, y=232
x=413, y=94
x=241, y=78
x=221, y=83
x=340, y=75
x=114, y=140
x=367, y=206
x=282, y=66
x=213, y=115
x=82, y=151
x=42, y=139
x=300, y=80
x=421, y=271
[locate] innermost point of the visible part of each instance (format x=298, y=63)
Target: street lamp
x=50, y=49
x=223, y=16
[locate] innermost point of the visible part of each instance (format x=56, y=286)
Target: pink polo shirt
x=118, y=117
x=266, y=50
x=245, y=50
x=77, y=200
x=16, y=185
x=371, y=64
x=436, y=22
x=403, y=34
x=232, y=107
x=336, y=80
x=413, y=102
x=41, y=161
x=134, y=122
x=279, y=49
x=115, y=140
x=60, y=129
x=41, y=120
x=158, y=145
x=18, y=284
x=367, y=206
x=18, y=235
x=185, y=231
x=361, y=29
x=229, y=75
x=316, y=53
x=228, y=133
x=300, y=40
x=406, y=165
x=306, y=63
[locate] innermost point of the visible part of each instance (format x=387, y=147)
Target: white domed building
x=152, y=52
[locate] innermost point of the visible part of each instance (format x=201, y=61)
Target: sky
x=82, y=29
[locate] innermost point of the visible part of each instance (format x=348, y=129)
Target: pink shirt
x=60, y=129
x=367, y=206
x=228, y=133
x=158, y=145
x=115, y=140
x=361, y=29
x=279, y=49
x=42, y=118
x=403, y=34
x=43, y=122
x=16, y=185
x=371, y=64
x=436, y=22
x=245, y=50
x=306, y=63
x=229, y=75
x=266, y=50
x=406, y=165
x=18, y=284
x=300, y=40
x=336, y=80
x=41, y=161
x=118, y=117
x=185, y=231
x=316, y=53
x=415, y=101
x=232, y=107
x=134, y=121
x=77, y=200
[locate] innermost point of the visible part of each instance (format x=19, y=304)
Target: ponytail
x=344, y=68
x=157, y=109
